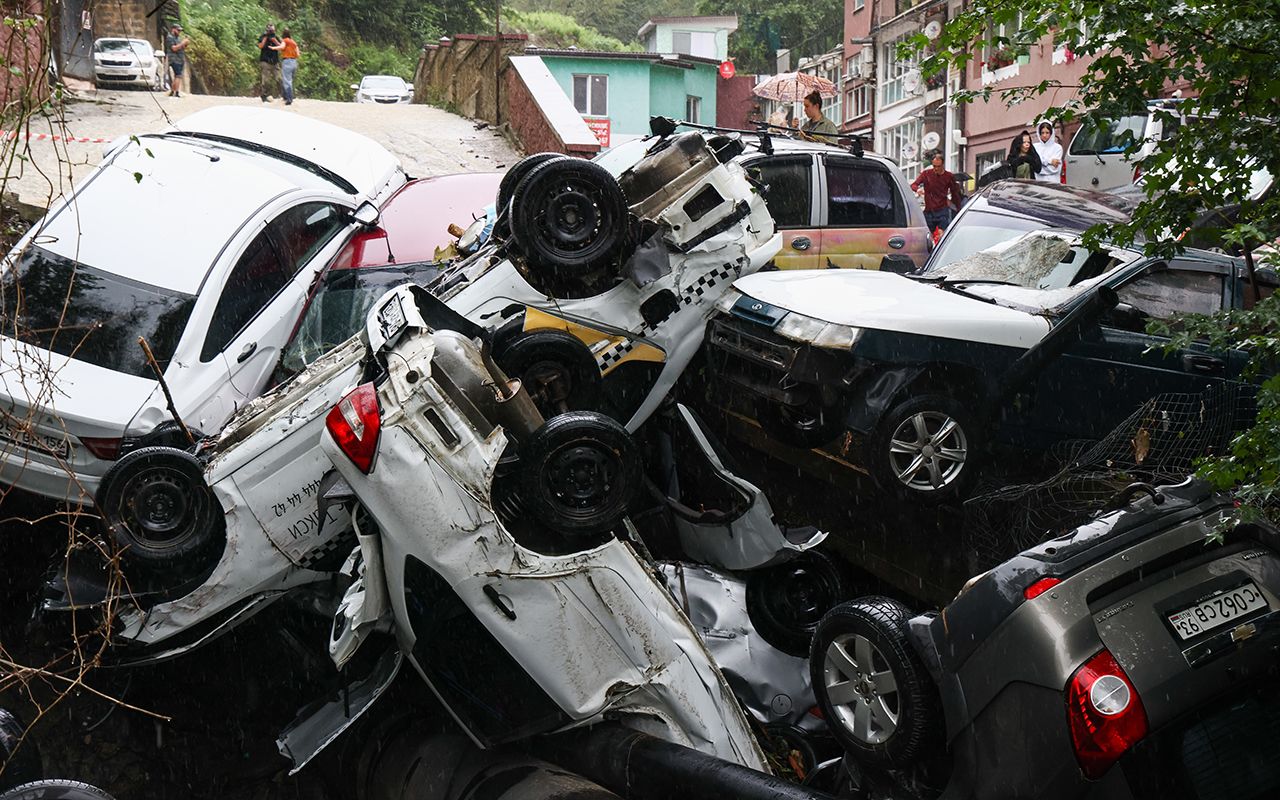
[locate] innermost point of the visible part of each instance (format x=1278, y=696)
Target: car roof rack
x=665, y=126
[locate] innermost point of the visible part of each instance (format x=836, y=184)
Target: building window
x=694, y=43
x=894, y=67
x=987, y=160
x=692, y=109
x=591, y=95
x=834, y=106
x=857, y=102
x=858, y=5
x=902, y=143
x=996, y=54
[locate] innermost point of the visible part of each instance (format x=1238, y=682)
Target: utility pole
x=497, y=63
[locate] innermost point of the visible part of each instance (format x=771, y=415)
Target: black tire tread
x=18, y=755
x=601, y=252
x=518, y=352
x=55, y=789
x=554, y=434
x=920, y=720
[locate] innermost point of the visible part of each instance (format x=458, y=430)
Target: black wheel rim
x=159, y=506
x=571, y=217
x=580, y=478
x=799, y=594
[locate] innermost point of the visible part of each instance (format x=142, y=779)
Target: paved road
x=428, y=141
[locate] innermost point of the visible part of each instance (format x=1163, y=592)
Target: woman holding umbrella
x=817, y=126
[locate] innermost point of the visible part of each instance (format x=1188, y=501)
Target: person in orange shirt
x=288, y=64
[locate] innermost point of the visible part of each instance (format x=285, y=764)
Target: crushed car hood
x=883, y=301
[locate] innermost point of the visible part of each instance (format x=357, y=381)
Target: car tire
x=55, y=790
x=507, y=188
x=581, y=473
x=20, y=758
x=872, y=688
x=785, y=602
x=556, y=368
x=157, y=507
x=569, y=217
x=807, y=426
x=926, y=449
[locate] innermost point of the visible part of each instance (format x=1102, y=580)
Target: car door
x=790, y=194
x=863, y=216
x=266, y=289
x=1116, y=366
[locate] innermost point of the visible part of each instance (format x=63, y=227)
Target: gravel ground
x=428, y=140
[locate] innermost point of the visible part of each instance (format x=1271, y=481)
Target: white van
x=1096, y=158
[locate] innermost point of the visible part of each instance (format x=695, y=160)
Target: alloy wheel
x=928, y=451
x=861, y=688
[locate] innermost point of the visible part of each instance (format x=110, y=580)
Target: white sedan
x=386, y=89
x=127, y=62
x=202, y=242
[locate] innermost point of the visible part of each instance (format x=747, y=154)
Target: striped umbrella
x=790, y=87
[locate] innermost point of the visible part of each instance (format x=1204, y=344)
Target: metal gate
x=76, y=35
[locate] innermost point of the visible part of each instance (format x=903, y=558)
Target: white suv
x=214, y=294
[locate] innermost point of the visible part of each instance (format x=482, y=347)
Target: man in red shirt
x=938, y=184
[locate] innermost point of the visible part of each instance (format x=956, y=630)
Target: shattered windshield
x=1038, y=260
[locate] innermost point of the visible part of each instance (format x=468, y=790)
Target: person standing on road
x=268, y=63
x=941, y=194
x=1050, y=153
x=288, y=65
x=817, y=126
x=175, y=45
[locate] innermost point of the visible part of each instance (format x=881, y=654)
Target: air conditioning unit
x=868, y=54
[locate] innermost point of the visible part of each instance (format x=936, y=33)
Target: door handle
x=897, y=242
x=800, y=243
x=1205, y=365
x=248, y=350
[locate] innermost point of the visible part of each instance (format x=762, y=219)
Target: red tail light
x=1137, y=173
x=1062, y=173
x=1040, y=587
x=1104, y=713
x=354, y=423
x=105, y=449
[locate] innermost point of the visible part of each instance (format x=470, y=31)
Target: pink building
x=858, y=103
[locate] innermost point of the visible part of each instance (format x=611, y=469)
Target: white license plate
x=34, y=441
x=1217, y=611
x=391, y=318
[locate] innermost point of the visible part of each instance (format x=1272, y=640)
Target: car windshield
x=51, y=302
x=978, y=230
x=339, y=307
x=1038, y=260
x=382, y=83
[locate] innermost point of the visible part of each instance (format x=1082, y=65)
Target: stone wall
x=128, y=19
x=459, y=73
x=25, y=85
x=530, y=124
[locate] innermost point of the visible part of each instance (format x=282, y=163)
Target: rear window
x=1108, y=135
x=859, y=196
x=54, y=303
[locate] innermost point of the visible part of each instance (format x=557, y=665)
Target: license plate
x=391, y=318
x=1217, y=611
x=34, y=441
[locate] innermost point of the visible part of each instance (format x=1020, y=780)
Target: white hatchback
x=201, y=242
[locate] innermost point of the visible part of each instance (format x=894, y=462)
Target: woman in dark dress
x=1023, y=158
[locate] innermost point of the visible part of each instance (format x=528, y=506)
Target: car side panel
x=863, y=248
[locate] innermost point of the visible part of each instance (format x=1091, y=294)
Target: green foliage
x=619, y=19
x=1226, y=59
x=550, y=29
x=807, y=28
x=224, y=36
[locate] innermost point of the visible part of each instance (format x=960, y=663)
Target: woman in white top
x=1050, y=154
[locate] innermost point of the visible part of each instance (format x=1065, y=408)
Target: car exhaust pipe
x=637, y=766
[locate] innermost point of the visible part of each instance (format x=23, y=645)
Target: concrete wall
x=659, y=40
x=538, y=114
x=464, y=73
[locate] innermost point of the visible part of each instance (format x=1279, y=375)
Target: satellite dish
x=933, y=30
x=931, y=140
x=911, y=82
x=909, y=150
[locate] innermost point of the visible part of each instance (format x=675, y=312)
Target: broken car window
x=1037, y=260
x=1174, y=293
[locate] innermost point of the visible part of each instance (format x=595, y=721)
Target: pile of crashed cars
x=485, y=468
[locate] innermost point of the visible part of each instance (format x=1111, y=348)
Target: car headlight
x=816, y=332
x=725, y=304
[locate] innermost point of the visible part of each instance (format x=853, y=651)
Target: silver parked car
x=128, y=62
x=386, y=89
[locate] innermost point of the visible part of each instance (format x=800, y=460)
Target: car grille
x=116, y=77
x=753, y=357
x=388, y=99
x=106, y=63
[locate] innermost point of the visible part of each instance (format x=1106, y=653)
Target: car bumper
x=129, y=78
x=40, y=475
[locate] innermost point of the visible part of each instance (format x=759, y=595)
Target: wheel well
x=960, y=381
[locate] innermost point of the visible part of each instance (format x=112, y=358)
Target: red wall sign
x=600, y=127
x=726, y=70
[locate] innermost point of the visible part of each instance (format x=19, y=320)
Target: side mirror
x=355, y=86
x=158, y=54
x=408, y=87
x=1126, y=318
x=366, y=214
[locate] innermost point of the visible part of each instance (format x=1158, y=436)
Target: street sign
x=727, y=70
x=600, y=127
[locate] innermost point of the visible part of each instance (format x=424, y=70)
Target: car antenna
x=164, y=387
